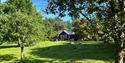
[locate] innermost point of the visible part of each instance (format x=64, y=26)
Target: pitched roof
x=68, y=32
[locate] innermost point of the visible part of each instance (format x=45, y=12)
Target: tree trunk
x=119, y=39
x=22, y=51
x=119, y=48
x=118, y=54
x=18, y=41
x=22, y=47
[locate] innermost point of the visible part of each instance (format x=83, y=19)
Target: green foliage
x=94, y=12
x=57, y=23
x=1, y=7
x=21, y=21
x=48, y=30
x=69, y=25
x=1, y=12
x=85, y=30
x=76, y=7
x=35, y=32
x=81, y=29
x=20, y=24
x=25, y=6
x=112, y=12
x=3, y=27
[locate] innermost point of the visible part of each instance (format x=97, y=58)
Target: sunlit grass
x=59, y=52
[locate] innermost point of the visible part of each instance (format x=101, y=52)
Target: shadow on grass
x=9, y=46
x=6, y=57
x=74, y=52
x=29, y=61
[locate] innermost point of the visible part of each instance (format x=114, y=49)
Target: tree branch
x=79, y=10
x=85, y=16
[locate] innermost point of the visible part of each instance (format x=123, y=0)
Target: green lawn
x=59, y=52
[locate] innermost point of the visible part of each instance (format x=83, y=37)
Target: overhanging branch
x=78, y=10
x=85, y=16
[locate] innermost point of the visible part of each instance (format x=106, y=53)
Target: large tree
x=21, y=23
x=112, y=11
x=23, y=28
x=12, y=6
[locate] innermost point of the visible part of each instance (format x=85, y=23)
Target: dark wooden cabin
x=66, y=35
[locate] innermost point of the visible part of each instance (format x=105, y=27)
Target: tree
x=12, y=6
x=0, y=24
x=49, y=30
x=112, y=12
x=117, y=27
x=22, y=27
x=81, y=29
x=24, y=6
x=0, y=8
x=3, y=30
x=21, y=23
x=69, y=25
x=88, y=31
x=96, y=29
x=57, y=23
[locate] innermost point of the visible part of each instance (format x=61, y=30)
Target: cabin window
x=65, y=36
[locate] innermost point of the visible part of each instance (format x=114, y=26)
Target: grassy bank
x=59, y=52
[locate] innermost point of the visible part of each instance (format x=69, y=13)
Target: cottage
x=66, y=35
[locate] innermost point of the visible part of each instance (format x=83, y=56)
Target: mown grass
x=59, y=52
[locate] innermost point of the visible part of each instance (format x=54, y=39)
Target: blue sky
x=3, y=1
x=41, y=4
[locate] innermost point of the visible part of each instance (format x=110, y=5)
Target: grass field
x=59, y=52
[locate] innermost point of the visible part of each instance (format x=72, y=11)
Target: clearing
x=59, y=52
